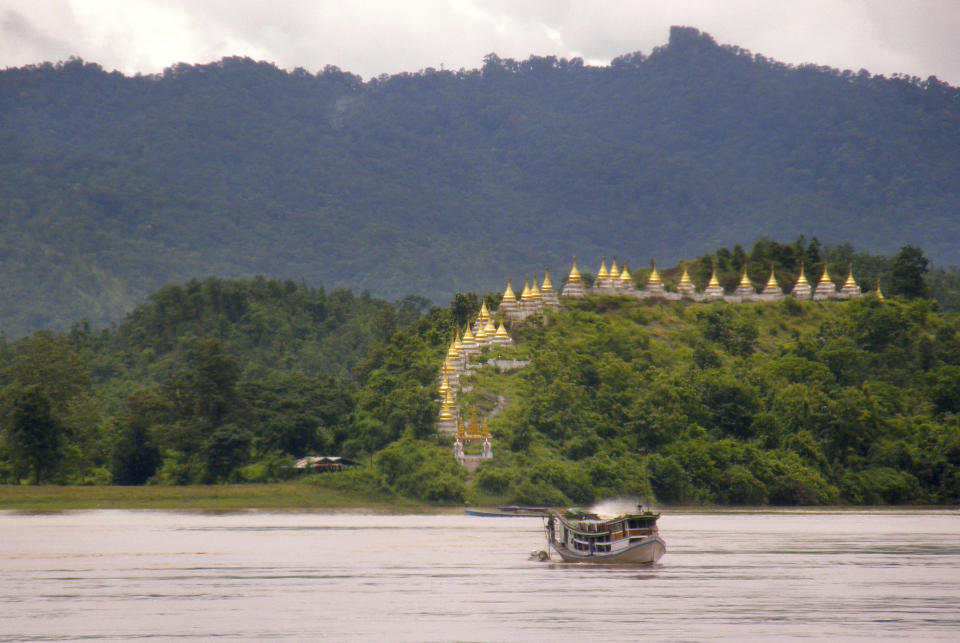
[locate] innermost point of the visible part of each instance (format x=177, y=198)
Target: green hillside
x=789, y=402
x=439, y=181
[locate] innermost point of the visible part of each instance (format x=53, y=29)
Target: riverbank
x=235, y=497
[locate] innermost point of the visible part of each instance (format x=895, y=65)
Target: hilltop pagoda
x=850, y=289
x=547, y=295
x=654, y=285
x=626, y=281
x=772, y=289
x=802, y=290
x=713, y=290
x=574, y=286
x=686, y=287
x=508, y=304
x=745, y=289
x=825, y=288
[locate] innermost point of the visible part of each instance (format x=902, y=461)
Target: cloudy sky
x=372, y=37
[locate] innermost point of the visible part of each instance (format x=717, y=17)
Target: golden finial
x=490, y=330
x=625, y=275
x=714, y=282
x=481, y=335
x=614, y=270
x=546, y=286
x=484, y=313
x=535, y=290
x=654, y=274
x=457, y=343
x=484, y=430
x=525, y=295
x=460, y=431
x=448, y=399
x=473, y=427
x=744, y=279
x=447, y=368
x=444, y=386
x=825, y=277
x=508, y=294
x=445, y=414
x=879, y=292
x=468, y=338
x=501, y=331
x=574, y=273
x=602, y=273
x=452, y=352
x=850, y=283
x=772, y=281
x=685, y=278
x=802, y=279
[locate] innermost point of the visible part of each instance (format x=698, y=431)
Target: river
x=342, y=576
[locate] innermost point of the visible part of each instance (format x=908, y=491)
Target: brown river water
x=751, y=575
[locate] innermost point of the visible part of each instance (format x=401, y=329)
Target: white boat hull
x=648, y=550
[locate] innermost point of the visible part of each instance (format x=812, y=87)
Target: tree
x=135, y=458
x=464, y=307
x=33, y=434
x=906, y=274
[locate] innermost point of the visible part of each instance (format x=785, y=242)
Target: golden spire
x=685, y=278
x=445, y=412
x=473, y=427
x=481, y=335
x=484, y=430
x=625, y=275
x=825, y=277
x=802, y=279
x=602, y=273
x=574, y=273
x=448, y=398
x=850, y=283
x=447, y=368
x=452, y=352
x=457, y=343
x=714, y=283
x=546, y=286
x=614, y=271
x=772, y=281
x=460, y=432
x=654, y=274
x=501, y=331
x=484, y=313
x=508, y=294
x=525, y=295
x=490, y=330
x=444, y=386
x=467, y=336
x=535, y=290
x=879, y=292
x=744, y=279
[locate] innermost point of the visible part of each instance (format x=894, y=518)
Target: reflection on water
x=127, y=574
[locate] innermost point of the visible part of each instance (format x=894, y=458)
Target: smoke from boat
x=616, y=506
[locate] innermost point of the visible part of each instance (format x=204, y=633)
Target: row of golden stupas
x=619, y=281
x=483, y=334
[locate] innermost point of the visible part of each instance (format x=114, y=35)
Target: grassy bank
x=213, y=497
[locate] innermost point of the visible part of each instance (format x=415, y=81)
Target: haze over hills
x=440, y=181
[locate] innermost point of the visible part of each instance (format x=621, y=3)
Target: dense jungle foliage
x=444, y=181
x=790, y=402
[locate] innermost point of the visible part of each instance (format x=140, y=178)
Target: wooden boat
x=580, y=537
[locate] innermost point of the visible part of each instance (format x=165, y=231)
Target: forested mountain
x=440, y=181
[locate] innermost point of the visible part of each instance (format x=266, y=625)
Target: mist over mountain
x=439, y=181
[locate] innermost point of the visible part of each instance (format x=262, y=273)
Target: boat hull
x=648, y=550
